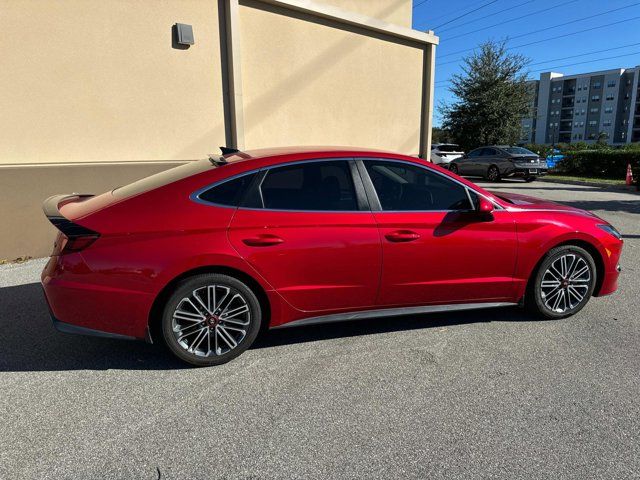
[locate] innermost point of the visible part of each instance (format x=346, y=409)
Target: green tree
x=492, y=96
x=440, y=135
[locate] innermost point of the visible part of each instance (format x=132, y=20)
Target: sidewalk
x=13, y=274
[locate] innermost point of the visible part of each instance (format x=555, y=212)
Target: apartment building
x=579, y=108
x=95, y=94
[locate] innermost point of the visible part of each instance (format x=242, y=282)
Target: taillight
x=64, y=244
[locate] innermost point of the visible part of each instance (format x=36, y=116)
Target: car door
x=436, y=249
x=486, y=158
x=467, y=164
x=310, y=233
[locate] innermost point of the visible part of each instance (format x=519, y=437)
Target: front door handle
x=263, y=240
x=402, y=236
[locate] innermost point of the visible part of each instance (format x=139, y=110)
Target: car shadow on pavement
x=28, y=341
x=328, y=331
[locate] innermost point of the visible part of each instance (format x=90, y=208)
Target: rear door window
x=319, y=186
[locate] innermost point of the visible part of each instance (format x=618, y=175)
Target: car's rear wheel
x=563, y=283
x=493, y=174
x=211, y=319
x=453, y=168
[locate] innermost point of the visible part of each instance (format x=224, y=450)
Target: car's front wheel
x=563, y=283
x=453, y=168
x=210, y=319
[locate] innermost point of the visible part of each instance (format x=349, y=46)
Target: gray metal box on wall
x=185, y=34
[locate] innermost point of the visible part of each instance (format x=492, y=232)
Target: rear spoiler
x=51, y=208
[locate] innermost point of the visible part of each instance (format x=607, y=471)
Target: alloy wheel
x=211, y=321
x=566, y=283
x=493, y=174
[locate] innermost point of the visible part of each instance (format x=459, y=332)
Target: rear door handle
x=263, y=240
x=402, y=236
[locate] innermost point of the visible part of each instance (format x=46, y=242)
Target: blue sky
x=498, y=21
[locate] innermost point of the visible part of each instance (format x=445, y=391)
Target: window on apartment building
x=606, y=123
x=611, y=83
x=597, y=85
x=593, y=123
x=594, y=110
x=595, y=98
x=608, y=110
x=610, y=96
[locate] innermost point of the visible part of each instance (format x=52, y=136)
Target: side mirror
x=485, y=207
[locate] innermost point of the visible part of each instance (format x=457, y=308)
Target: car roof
x=302, y=150
x=266, y=156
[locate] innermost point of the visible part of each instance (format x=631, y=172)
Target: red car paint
x=306, y=263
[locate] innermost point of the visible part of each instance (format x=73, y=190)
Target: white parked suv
x=443, y=153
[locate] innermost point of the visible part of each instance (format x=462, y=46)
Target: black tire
x=186, y=289
x=540, y=299
x=529, y=179
x=493, y=174
x=453, y=168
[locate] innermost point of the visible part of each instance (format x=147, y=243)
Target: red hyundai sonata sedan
x=204, y=255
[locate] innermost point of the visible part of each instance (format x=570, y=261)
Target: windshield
x=163, y=178
x=518, y=151
x=449, y=148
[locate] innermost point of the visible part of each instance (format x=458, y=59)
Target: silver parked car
x=443, y=153
x=500, y=161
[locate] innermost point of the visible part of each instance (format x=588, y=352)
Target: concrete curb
x=618, y=188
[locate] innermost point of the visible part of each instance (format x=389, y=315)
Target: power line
x=575, y=21
x=546, y=39
x=421, y=3
x=584, y=61
x=584, y=54
x=544, y=10
x=546, y=69
x=447, y=15
x=465, y=14
x=487, y=16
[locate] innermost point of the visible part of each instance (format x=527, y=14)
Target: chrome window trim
x=195, y=196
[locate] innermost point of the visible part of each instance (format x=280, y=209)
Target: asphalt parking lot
x=484, y=394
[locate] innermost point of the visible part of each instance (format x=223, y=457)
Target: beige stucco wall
x=88, y=80
x=321, y=83
x=399, y=12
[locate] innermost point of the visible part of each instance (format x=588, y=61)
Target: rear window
x=163, y=178
x=518, y=151
x=449, y=148
x=228, y=193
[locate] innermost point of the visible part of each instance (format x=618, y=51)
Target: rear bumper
x=82, y=304
x=528, y=172
x=76, y=330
